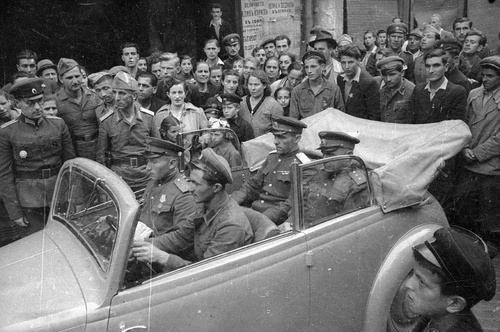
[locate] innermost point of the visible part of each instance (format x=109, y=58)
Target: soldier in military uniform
x=124, y=132
x=339, y=186
x=272, y=183
x=167, y=199
x=396, y=33
x=232, y=45
x=32, y=150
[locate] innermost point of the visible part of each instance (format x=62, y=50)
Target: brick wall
x=485, y=16
x=369, y=15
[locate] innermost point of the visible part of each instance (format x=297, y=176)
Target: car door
x=260, y=287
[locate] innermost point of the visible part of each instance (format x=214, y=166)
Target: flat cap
x=462, y=256
x=44, y=64
x=30, y=88
x=156, y=147
x=231, y=39
x=336, y=139
x=449, y=44
x=390, y=63
x=491, y=61
x=285, y=124
x=123, y=81
x=230, y=98
x=94, y=78
x=397, y=28
x=415, y=32
x=64, y=65
x=323, y=35
x=267, y=41
x=213, y=111
x=314, y=54
x=345, y=39
x=211, y=162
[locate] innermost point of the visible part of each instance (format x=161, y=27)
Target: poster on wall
x=268, y=19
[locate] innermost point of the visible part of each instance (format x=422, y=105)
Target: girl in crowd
x=258, y=107
x=202, y=89
x=285, y=59
x=190, y=117
x=169, y=129
x=260, y=54
x=272, y=68
x=186, y=74
x=282, y=96
x=7, y=111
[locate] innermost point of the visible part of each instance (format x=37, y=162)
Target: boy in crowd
x=230, y=108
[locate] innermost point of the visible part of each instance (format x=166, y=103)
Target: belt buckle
x=133, y=162
x=46, y=173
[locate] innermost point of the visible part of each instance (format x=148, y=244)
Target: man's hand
x=469, y=155
x=146, y=252
x=21, y=222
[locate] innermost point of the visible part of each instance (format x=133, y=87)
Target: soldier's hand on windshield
x=148, y=253
x=469, y=155
x=21, y=222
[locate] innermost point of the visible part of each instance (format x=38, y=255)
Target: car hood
x=38, y=286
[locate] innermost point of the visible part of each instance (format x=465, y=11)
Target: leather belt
x=132, y=161
x=86, y=138
x=45, y=173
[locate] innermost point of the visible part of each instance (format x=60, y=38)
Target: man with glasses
x=32, y=150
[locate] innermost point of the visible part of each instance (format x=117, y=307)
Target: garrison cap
x=267, y=41
x=213, y=111
x=30, y=88
x=462, y=256
x=314, y=54
x=94, y=78
x=211, y=162
x=390, y=63
x=156, y=147
x=331, y=140
x=44, y=64
x=491, y=61
x=116, y=69
x=230, y=98
x=323, y=35
x=231, y=39
x=65, y=65
x=285, y=124
x=449, y=44
x=430, y=29
x=397, y=28
x=415, y=32
x=123, y=81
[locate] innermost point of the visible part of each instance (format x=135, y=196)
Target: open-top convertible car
x=338, y=272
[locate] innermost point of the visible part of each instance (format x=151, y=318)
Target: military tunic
x=81, y=120
x=394, y=106
x=167, y=203
x=126, y=143
x=31, y=154
x=327, y=194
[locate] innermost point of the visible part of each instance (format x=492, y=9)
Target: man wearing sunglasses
x=32, y=150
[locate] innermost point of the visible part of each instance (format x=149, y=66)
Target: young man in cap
x=339, y=186
x=414, y=38
x=123, y=133
x=475, y=199
x=396, y=92
x=396, y=33
x=324, y=43
x=46, y=69
x=315, y=93
x=272, y=183
x=221, y=227
x=232, y=46
x=167, y=200
x=269, y=46
x=359, y=89
x=452, y=47
x=451, y=273
x=231, y=104
x=77, y=107
x=147, y=88
x=282, y=43
x=430, y=36
x=32, y=150
x=101, y=84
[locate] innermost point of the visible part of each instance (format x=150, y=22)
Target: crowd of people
x=128, y=118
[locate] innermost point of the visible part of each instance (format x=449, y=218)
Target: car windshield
x=89, y=210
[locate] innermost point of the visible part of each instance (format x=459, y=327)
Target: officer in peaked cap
x=232, y=45
x=396, y=33
x=338, y=186
x=457, y=274
x=167, y=199
x=219, y=226
x=32, y=150
x=272, y=184
x=397, y=28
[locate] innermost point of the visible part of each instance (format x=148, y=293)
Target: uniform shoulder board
x=182, y=184
x=358, y=176
x=303, y=158
x=105, y=116
x=145, y=110
x=6, y=124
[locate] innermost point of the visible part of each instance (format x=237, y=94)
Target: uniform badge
x=162, y=198
x=160, y=205
x=33, y=91
x=23, y=154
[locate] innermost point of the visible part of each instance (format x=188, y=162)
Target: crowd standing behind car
x=430, y=75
